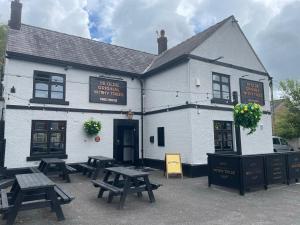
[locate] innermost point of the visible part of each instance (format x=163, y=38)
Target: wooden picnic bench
x=32, y=191
x=62, y=169
x=133, y=181
x=94, y=165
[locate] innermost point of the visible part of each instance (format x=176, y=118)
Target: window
x=221, y=88
x=223, y=136
x=161, y=136
x=48, y=88
x=276, y=141
x=48, y=138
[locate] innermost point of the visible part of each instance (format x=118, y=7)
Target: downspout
x=272, y=104
x=142, y=120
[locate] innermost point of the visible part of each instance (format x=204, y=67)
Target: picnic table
x=54, y=166
x=32, y=191
x=133, y=181
x=95, y=164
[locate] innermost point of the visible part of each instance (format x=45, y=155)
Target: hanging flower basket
x=247, y=116
x=92, y=127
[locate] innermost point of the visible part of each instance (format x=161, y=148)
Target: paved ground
x=183, y=202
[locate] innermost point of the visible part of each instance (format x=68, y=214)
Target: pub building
x=177, y=101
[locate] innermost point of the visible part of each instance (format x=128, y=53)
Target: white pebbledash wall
x=78, y=145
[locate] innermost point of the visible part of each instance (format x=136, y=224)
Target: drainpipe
x=142, y=120
x=272, y=104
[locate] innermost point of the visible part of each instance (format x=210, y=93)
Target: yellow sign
x=173, y=164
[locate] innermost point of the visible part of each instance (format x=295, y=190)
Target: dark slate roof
x=43, y=43
x=39, y=42
x=185, y=47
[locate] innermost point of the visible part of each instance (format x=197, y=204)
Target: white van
x=281, y=145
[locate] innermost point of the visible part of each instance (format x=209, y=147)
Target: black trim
x=189, y=170
x=175, y=108
x=36, y=156
x=60, y=109
x=48, y=101
x=221, y=101
x=39, y=157
x=212, y=61
x=56, y=62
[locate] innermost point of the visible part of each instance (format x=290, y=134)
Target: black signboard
x=293, y=164
x=224, y=171
x=276, y=168
x=252, y=91
x=108, y=91
x=253, y=169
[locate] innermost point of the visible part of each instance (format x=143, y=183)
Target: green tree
x=3, y=31
x=287, y=123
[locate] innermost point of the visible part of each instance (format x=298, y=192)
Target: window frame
x=161, y=136
x=37, y=156
x=48, y=100
x=221, y=100
x=222, y=132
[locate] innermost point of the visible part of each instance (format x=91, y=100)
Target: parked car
x=281, y=145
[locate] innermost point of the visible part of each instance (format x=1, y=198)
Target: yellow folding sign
x=173, y=164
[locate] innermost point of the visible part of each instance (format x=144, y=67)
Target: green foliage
x=287, y=121
x=247, y=116
x=92, y=127
x=3, y=34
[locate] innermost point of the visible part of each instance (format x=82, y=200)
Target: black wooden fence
x=245, y=172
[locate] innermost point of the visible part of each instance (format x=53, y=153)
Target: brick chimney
x=15, y=15
x=162, y=42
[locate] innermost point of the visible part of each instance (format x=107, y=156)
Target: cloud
x=270, y=25
x=68, y=16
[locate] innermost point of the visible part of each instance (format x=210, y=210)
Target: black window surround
x=223, y=136
x=221, y=91
x=48, y=139
x=49, y=88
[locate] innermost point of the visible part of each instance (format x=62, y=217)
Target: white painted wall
x=229, y=42
x=78, y=145
x=178, y=136
x=77, y=86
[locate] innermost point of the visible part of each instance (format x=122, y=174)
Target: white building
x=181, y=98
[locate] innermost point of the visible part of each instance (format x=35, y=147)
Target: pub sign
x=108, y=91
x=252, y=91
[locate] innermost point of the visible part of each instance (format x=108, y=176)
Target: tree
x=3, y=31
x=287, y=122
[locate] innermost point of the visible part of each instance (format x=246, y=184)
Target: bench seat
x=70, y=169
x=5, y=183
x=4, y=206
x=34, y=170
x=107, y=187
x=87, y=167
x=63, y=197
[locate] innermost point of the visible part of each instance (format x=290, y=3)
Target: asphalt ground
x=179, y=201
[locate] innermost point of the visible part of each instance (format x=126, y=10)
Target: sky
x=271, y=26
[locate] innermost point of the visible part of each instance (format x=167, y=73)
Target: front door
x=126, y=141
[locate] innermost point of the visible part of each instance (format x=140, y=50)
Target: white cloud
x=67, y=16
x=270, y=25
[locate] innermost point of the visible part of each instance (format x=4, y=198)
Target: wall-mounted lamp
x=67, y=67
x=245, y=75
x=261, y=79
x=197, y=82
x=130, y=114
x=177, y=93
x=13, y=89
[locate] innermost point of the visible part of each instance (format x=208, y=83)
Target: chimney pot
x=15, y=15
x=162, y=42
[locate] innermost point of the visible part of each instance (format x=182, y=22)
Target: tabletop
x=33, y=181
x=101, y=158
x=127, y=172
x=53, y=160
